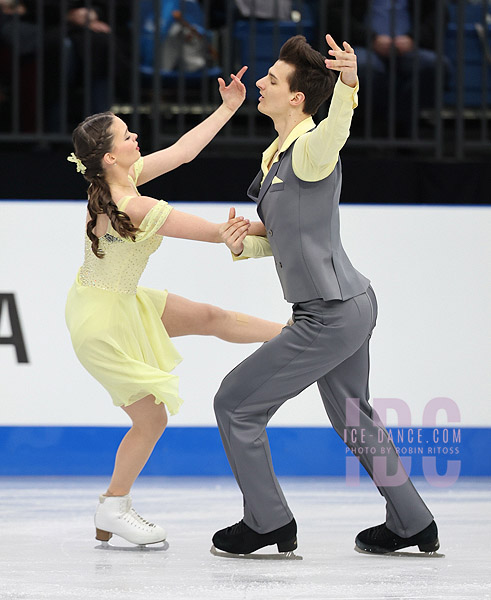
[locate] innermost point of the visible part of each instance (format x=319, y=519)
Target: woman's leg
x=148, y=423
x=184, y=317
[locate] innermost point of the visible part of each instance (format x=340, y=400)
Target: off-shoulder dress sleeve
x=153, y=220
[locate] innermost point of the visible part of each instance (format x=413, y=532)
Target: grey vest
x=302, y=224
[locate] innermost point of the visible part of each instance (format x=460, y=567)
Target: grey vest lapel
x=257, y=191
x=255, y=187
x=269, y=178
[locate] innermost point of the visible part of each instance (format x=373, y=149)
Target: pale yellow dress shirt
x=315, y=154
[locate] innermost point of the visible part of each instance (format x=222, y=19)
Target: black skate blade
x=280, y=556
x=157, y=547
x=401, y=553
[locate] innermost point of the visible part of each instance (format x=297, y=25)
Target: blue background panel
x=193, y=451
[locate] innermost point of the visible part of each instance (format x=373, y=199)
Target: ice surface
x=48, y=550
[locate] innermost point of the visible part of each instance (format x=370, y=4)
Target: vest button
x=270, y=232
x=280, y=265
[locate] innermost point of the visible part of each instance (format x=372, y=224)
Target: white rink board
x=427, y=265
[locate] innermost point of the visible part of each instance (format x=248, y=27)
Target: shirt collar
x=304, y=126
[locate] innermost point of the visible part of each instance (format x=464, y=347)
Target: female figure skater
x=121, y=332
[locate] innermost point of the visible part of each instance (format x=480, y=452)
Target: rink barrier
x=197, y=451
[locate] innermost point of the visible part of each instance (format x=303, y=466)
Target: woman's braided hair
x=91, y=140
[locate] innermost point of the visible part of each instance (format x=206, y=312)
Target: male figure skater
x=334, y=311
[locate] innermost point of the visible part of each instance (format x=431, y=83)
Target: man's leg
x=324, y=335
x=345, y=394
x=344, y=391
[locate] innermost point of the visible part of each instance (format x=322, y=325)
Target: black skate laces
x=239, y=527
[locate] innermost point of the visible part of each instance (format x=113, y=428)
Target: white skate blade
x=157, y=547
x=401, y=553
x=280, y=556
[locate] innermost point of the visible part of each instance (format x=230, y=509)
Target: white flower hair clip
x=81, y=168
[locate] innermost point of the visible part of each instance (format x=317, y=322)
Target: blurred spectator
x=244, y=9
x=185, y=41
x=265, y=9
x=79, y=24
x=11, y=12
x=12, y=25
x=385, y=30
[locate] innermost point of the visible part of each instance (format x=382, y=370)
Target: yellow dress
x=115, y=325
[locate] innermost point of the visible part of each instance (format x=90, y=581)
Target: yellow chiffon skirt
x=121, y=341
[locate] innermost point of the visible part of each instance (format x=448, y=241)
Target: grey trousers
x=328, y=344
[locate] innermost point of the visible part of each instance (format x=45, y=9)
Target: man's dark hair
x=311, y=76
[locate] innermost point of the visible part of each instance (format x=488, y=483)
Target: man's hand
x=257, y=228
x=345, y=61
x=233, y=232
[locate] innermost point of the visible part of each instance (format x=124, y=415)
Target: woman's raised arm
x=192, y=142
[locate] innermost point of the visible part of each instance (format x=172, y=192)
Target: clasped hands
x=233, y=232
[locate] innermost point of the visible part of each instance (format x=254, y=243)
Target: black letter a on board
x=16, y=339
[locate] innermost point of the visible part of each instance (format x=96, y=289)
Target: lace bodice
x=124, y=260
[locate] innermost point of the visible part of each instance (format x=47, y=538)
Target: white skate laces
x=115, y=516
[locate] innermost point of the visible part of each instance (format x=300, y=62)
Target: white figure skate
x=115, y=515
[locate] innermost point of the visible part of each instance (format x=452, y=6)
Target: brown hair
x=311, y=76
x=91, y=140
